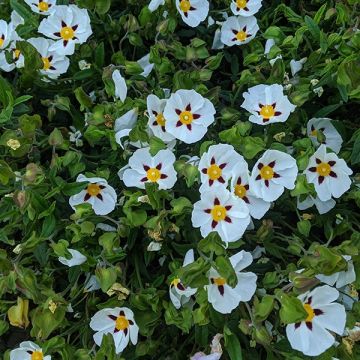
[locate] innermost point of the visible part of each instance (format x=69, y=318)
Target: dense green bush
x=84, y=229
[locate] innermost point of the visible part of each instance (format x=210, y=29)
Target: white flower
x=313, y=336
x=188, y=115
x=154, y=246
x=341, y=278
x=322, y=206
x=296, y=66
x=267, y=104
x=216, y=165
x=154, y=4
x=238, y=30
x=328, y=173
x=241, y=188
x=222, y=212
x=77, y=258
x=145, y=64
x=28, y=350
x=99, y=194
x=268, y=45
x=17, y=56
x=75, y=137
x=333, y=139
x=245, y=7
x=43, y=7
x=155, y=169
x=68, y=25
x=273, y=172
x=273, y=61
x=216, y=350
x=53, y=64
x=120, y=85
x=192, y=12
x=16, y=19
x=119, y=322
x=178, y=292
x=6, y=34
x=92, y=284
x=124, y=124
x=157, y=121
x=222, y=296
x=217, y=43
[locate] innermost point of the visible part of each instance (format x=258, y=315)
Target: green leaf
x=102, y=6
x=212, y=243
x=232, y=344
x=226, y=270
x=292, y=309
x=263, y=309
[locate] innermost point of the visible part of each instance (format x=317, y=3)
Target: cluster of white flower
x=63, y=28
x=230, y=194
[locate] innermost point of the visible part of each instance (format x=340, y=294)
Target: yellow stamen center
x=43, y=6
x=121, y=323
x=267, y=111
x=46, y=63
x=218, y=213
x=153, y=174
x=219, y=281
x=214, y=172
x=67, y=33
x=240, y=191
x=266, y=172
x=17, y=54
x=241, y=35
x=241, y=4
x=93, y=189
x=160, y=119
x=175, y=282
x=323, y=169
x=309, y=311
x=37, y=355
x=1, y=42
x=185, y=5
x=186, y=117
x=314, y=132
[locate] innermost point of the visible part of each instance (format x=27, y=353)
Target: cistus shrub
x=179, y=179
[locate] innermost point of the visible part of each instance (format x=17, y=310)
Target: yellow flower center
x=121, y=323
x=186, y=117
x=93, y=189
x=67, y=33
x=46, y=63
x=219, y=281
x=1, y=42
x=175, y=282
x=214, y=172
x=17, y=53
x=160, y=119
x=37, y=355
x=218, y=213
x=240, y=191
x=241, y=35
x=314, y=132
x=309, y=311
x=267, y=111
x=241, y=4
x=266, y=172
x=323, y=169
x=43, y=6
x=153, y=174
x=185, y=5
